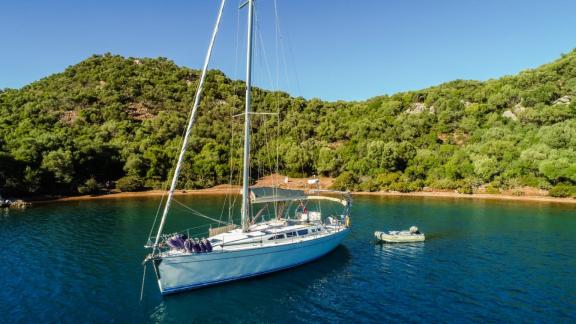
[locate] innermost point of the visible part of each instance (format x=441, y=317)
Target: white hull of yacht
x=192, y=271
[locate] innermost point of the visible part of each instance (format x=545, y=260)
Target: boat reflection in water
x=313, y=279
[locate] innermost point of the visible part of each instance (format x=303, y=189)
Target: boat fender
x=347, y=221
x=175, y=242
x=196, y=246
x=208, y=245
x=202, y=247
x=189, y=245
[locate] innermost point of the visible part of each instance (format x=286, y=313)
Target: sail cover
x=260, y=195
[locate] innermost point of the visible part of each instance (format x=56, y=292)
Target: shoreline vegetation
x=526, y=194
x=219, y=190
x=114, y=124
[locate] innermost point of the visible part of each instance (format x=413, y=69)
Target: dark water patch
x=482, y=261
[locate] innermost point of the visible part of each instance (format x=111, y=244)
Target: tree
x=328, y=162
x=345, y=181
x=61, y=164
x=91, y=186
x=110, y=118
x=130, y=183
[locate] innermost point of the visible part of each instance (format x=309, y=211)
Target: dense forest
x=113, y=122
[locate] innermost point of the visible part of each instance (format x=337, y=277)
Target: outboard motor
x=196, y=246
x=189, y=245
x=208, y=245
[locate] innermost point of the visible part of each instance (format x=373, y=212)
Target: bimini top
x=260, y=195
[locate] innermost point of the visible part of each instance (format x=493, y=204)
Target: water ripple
x=481, y=262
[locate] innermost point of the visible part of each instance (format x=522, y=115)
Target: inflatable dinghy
x=412, y=235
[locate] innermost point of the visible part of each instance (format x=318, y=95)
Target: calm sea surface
x=482, y=261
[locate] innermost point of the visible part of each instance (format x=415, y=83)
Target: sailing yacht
x=292, y=235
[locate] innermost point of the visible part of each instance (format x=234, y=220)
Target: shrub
x=91, y=186
x=444, y=184
x=466, y=186
x=405, y=185
x=517, y=192
x=130, y=183
x=562, y=190
x=345, y=181
x=465, y=189
x=384, y=180
x=530, y=181
x=368, y=185
x=490, y=189
x=156, y=183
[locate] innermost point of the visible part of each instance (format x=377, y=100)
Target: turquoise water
x=482, y=261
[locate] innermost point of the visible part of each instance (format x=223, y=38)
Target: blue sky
x=337, y=49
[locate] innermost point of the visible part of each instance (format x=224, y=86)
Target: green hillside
x=112, y=122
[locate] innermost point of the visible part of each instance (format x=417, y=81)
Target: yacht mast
x=246, y=173
x=189, y=127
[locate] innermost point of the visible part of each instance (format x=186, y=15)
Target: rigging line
x=245, y=214
x=231, y=201
x=277, y=36
x=166, y=183
x=282, y=46
x=230, y=198
x=236, y=48
x=143, y=280
x=165, y=189
x=262, y=167
x=253, y=144
x=267, y=210
x=261, y=46
x=278, y=45
x=223, y=206
x=291, y=54
x=188, y=229
x=263, y=153
x=156, y=217
x=189, y=126
x=268, y=165
x=197, y=213
x=268, y=156
x=198, y=227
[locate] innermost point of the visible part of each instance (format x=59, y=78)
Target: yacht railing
x=322, y=229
